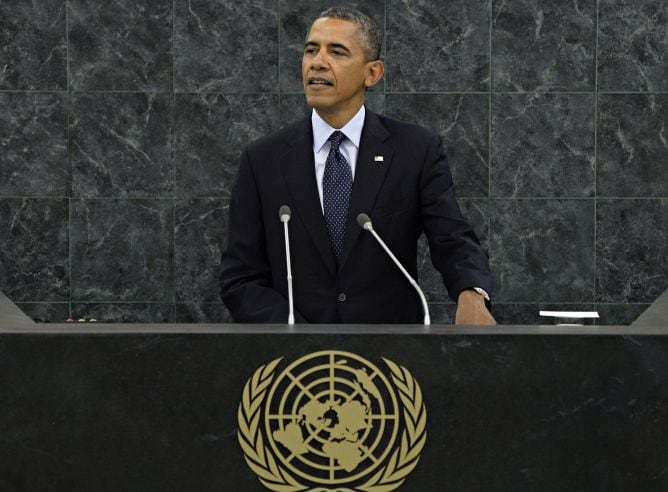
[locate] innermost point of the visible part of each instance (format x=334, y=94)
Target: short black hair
x=371, y=35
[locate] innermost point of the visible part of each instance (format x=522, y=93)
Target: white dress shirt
x=349, y=147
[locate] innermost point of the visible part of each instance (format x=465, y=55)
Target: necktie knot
x=336, y=138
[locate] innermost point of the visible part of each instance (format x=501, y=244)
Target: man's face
x=334, y=68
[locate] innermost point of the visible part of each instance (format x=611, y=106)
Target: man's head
x=341, y=59
x=368, y=31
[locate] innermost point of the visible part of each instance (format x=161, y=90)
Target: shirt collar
x=352, y=130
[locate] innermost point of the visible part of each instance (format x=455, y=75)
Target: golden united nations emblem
x=332, y=421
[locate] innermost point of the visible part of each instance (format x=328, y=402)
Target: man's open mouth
x=319, y=82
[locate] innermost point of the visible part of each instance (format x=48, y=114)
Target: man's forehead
x=330, y=30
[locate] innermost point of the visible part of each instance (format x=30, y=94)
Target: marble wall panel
x=296, y=19
x=442, y=313
x=202, y=313
x=223, y=45
x=122, y=250
x=632, y=145
x=33, y=48
x=34, y=249
x=121, y=145
x=631, y=249
x=546, y=45
x=438, y=46
x=210, y=132
x=111, y=312
x=293, y=107
x=476, y=211
x=124, y=45
x=46, y=312
x=33, y=144
x=147, y=151
x=619, y=314
x=528, y=313
x=542, y=250
x=200, y=234
x=633, y=45
x=462, y=120
x=542, y=145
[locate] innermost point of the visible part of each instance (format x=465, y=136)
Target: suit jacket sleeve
x=454, y=247
x=245, y=279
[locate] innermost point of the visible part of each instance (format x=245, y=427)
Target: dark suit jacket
x=408, y=192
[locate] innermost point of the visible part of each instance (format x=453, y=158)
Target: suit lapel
x=369, y=177
x=299, y=172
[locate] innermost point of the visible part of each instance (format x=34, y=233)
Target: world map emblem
x=332, y=421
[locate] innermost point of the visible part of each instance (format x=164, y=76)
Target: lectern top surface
x=240, y=329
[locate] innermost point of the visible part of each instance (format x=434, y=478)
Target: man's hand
x=471, y=309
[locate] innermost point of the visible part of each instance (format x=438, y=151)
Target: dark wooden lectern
x=509, y=408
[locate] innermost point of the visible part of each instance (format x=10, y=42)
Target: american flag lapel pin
x=377, y=158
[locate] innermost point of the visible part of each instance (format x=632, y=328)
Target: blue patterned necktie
x=336, y=187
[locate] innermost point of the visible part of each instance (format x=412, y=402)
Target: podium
x=157, y=407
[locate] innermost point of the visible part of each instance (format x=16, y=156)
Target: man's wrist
x=475, y=294
x=482, y=292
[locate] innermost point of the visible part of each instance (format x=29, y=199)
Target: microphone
x=365, y=223
x=284, y=215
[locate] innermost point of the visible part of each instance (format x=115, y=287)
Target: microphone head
x=284, y=213
x=364, y=221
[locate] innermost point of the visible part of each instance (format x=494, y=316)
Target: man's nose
x=319, y=61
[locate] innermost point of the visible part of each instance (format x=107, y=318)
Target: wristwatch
x=482, y=292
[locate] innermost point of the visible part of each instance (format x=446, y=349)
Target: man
x=341, y=161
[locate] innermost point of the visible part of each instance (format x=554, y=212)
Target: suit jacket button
x=342, y=297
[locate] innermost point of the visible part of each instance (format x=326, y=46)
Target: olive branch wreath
x=275, y=478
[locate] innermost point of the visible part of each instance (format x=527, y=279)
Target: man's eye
x=309, y=51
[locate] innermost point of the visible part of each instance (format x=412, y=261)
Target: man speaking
x=340, y=162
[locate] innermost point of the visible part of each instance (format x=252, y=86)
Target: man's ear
x=375, y=71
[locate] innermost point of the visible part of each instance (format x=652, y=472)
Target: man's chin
x=315, y=102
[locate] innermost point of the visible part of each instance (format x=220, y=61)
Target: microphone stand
x=284, y=215
x=365, y=222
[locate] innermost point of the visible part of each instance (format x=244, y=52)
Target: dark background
x=121, y=123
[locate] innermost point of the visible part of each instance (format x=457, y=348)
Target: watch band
x=482, y=292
